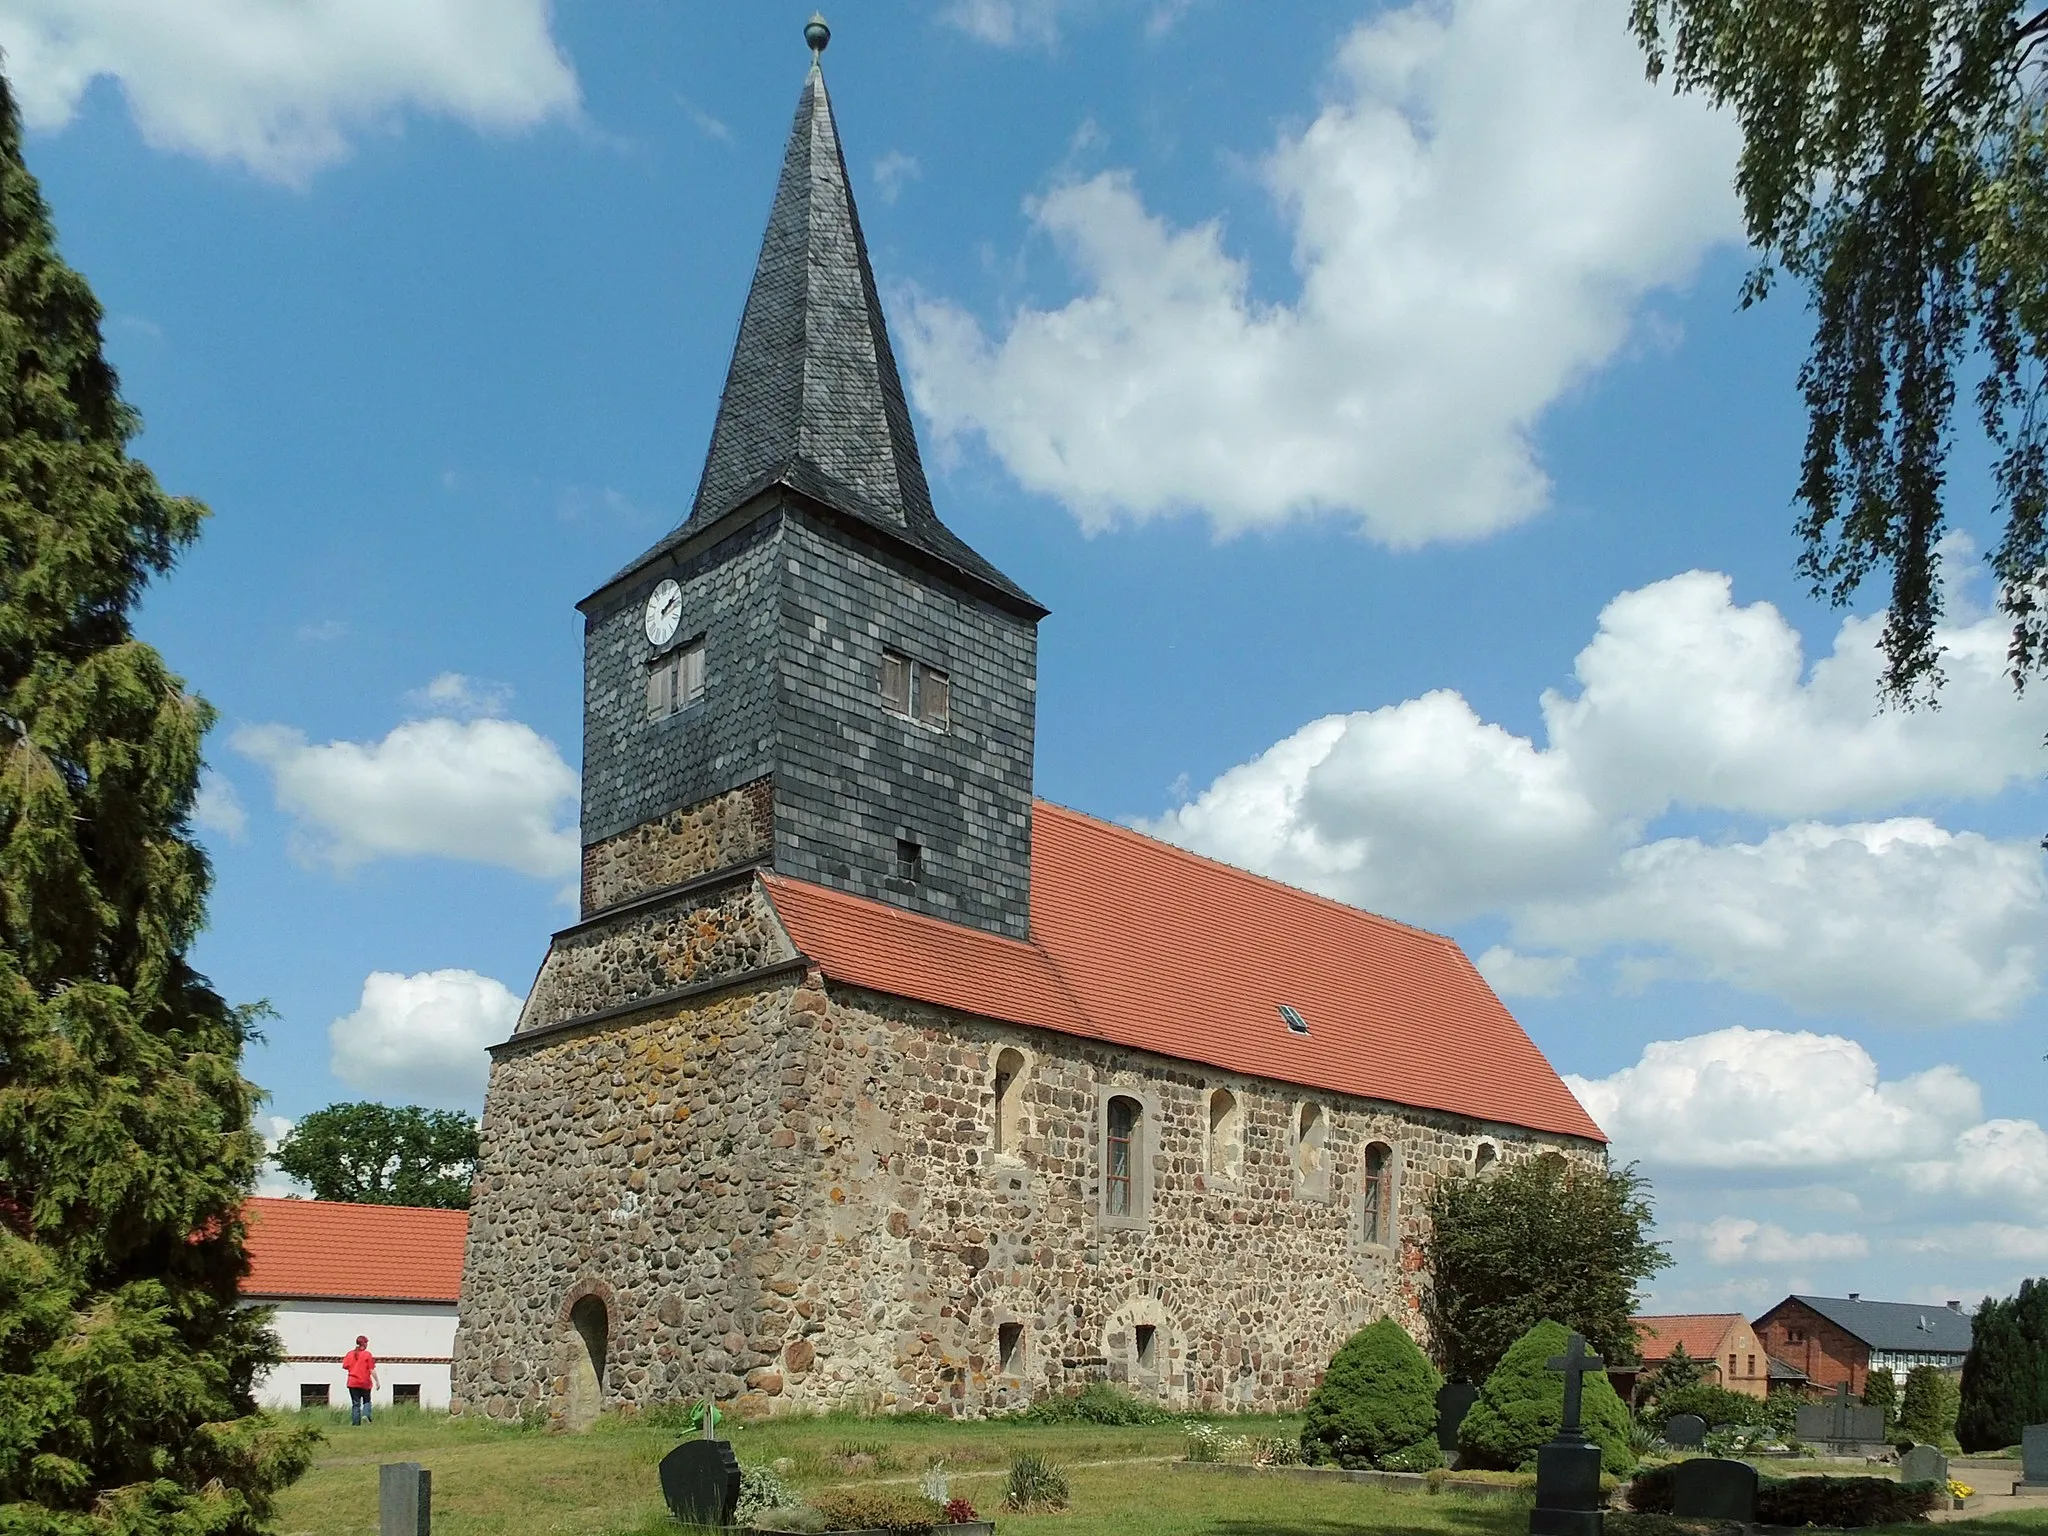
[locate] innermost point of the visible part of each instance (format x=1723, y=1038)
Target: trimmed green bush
x=1521, y=1406
x=1841, y=1503
x=1376, y=1403
x=1928, y=1408
x=1715, y=1404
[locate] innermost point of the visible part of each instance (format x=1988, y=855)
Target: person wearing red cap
x=361, y=1368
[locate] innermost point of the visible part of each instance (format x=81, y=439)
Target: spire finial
x=817, y=35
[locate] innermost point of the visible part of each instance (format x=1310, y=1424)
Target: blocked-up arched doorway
x=589, y=1339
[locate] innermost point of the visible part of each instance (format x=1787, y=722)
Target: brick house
x=866, y=1076
x=1835, y=1339
x=332, y=1270
x=1723, y=1343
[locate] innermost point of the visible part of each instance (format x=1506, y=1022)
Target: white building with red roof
x=334, y=1271
x=867, y=1076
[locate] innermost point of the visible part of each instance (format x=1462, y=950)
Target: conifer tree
x=2005, y=1375
x=1881, y=1390
x=125, y=1141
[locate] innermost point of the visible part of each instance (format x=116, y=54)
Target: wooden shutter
x=896, y=682
x=934, y=697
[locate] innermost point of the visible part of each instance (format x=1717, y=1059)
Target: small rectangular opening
x=1148, y=1346
x=1295, y=1022
x=312, y=1395
x=909, y=860
x=404, y=1393
x=1009, y=1348
x=675, y=681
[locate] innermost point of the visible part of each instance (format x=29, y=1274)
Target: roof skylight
x=1295, y=1022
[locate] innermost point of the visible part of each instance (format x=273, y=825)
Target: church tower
x=813, y=673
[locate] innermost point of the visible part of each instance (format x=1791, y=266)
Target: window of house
x=1377, y=1215
x=909, y=860
x=1731, y=1367
x=1121, y=1189
x=1009, y=1349
x=1226, y=1135
x=404, y=1393
x=1147, y=1339
x=675, y=681
x=1008, y=1085
x=1795, y=1335
x=313, y=1394
x=1752, y=1365
x=1311, y=1130
x=917, y=689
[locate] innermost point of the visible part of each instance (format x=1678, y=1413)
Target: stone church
x=867, y=1078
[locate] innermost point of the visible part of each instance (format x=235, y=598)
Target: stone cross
x=1843, y=1428
x=1574, y=1363
x=710, y=1430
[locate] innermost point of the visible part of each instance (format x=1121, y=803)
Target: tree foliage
x=1895, y=162
x=1928, y=1407
x=1678, y=1372
x=381, y=1154
x=125, y=1142
x=1715, y=1405
x=1546, y=1238
x=2005, y=1374
x=1881, y=1390
x=1521, y=1407
x=1376, y=1403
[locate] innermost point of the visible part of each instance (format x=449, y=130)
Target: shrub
x=1035, y=1483
x=1927, y=1411
x=1839, y=1502
x=959, y=1512
x=1781, y=1412
x=1881, y=1390
x=1521, y=1406
x=1715, y=1404
x=1376, y=1401
x=761, y=1489
x=1096, y=1403
x=877, y=1507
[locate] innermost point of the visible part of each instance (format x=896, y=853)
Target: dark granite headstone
x=1923, y=1464
x=700, y=1479
x=1685, y=1430
x=1813, y=1422
x=1708, y=1488
x=2034, y=1455
x=1568, y=1497
x=1841, y=1423
x=405, y=1500
x=1454, y=1399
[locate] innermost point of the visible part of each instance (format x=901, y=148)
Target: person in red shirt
x=360, y=1366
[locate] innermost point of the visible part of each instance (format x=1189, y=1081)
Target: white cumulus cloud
x=421, y=1039
x=492, y=791
x=218, y=808
x=1517, y=975
x=1478, y=214
x=1738, y=1240
x=280, y=88
x=1685, y=701
x=454, y=693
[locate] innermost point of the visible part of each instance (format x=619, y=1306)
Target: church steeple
x=813, y=390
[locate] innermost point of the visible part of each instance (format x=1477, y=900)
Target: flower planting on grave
x=1376, y=1406
x=1521, y=1406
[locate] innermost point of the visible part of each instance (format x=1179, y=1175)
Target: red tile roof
x=1146, y=945
x=362, y=1252
x=1700, y=1332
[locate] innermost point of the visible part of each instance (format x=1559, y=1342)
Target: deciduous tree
x=1895, y=163
x=381, y=1154
x=125, y=1142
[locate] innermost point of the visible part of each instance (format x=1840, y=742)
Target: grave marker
x=1568, y=1468
x=1710, y=1488
x=1454, y=1399
x=1685, y=1431
x=1923, y=1464
x=1841, y=1424
x=700, y=1482
x=2034, y=1456
x=405, y=1502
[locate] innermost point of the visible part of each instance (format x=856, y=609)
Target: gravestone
x=2034, y=1456
x=1923, y=1464
x=1454, y=1399
x=1568, y=1497
x=1709, y=1488
x=1685, y=1430
x=1841, y=1424
x=700, y=1481
x=405, y=1499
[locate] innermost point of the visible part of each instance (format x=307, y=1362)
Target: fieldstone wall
x=789, y=1196
x=716, y=834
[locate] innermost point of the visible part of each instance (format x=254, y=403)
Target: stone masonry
x=786, y=1194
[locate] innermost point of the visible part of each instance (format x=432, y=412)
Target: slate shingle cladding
x=812, y=545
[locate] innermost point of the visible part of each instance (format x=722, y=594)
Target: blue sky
x=1363, y=389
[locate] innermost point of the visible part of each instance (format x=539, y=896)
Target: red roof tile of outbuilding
x=1700, y=1332
x=1148, y=946
x=361, y=1252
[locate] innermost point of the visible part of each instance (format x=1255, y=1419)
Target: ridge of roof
x=1197, y=969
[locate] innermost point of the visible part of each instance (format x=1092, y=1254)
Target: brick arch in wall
x=585, y=1323
x=991, y=1306
x=1146, y=1349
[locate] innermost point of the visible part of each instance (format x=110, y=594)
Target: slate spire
x=813, y=397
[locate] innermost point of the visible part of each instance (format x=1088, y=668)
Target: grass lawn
x=491, y=1481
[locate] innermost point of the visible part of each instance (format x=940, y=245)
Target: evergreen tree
x=125, y=1142
x=1678, y=1372
x=1521, y=1407
x=1376, y=1405
x=2005, y=1375
x=1881, y=1390
x=1927, y=1409
x=377, y=1154
x=1545, y=1238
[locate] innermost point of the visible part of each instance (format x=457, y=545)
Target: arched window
x=1484, y=1158
x=1311, y=1130
x=590, y=1329
x=1009, y=1086
x=1123, y=1159
x=1226, y=1135
x=1378, y=1216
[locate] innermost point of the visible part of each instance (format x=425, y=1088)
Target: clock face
x=664, y=613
